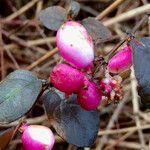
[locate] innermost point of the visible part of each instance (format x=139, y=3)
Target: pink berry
x=66, y=78
x=89, y=96
x=107, y=85
x=75, y=44
x=121, y=61
x=36, y=137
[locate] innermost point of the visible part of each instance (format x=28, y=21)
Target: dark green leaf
x=5, y=137
x=17, y=95
x=141, y=62
x=53, y=17
x=96, y=29
x=74, y=124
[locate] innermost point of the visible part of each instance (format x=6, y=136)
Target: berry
x=66, y=78
x=75, y=44
x=107, y=85
x=89, y=96
x=36, y=137
x=112, y=89
x=120, y=61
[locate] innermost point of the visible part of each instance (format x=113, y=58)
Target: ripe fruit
x=36, y=137
x=75, y=44
x=121, y=61
x=89, y=96
x=66, y=78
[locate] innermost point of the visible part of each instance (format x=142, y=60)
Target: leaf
x=18, y=93
x=5, y=137
x=74, y=8
x=53, y=17
x=141, y=62
x=96, y=29
x=74, y=124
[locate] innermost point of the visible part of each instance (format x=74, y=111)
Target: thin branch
x=119, y=140
x=113, y=118
x=128, y=15
x=33, y=42
x=22, y=42
x=127, y=145
x=43, y=58
x=12, y=58
x=22, y=10
x=39, y=7
x=109, y=9
x=36, y=120
x=135, y=103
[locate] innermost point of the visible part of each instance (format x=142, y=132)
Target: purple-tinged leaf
x=141, y=62
x=53, y=17
x=96, y=29
x=74, y=124
x=74, y=9
x=18, y=93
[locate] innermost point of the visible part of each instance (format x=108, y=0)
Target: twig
x=145, y=116
x=119, y=140
x=39, y=8
x=117, y=131
x=127, y=15
x=22, y=10
x=36, y=120
x=44, y=36
x=127, y=145
x=12, y=57
x=109, y=9
x=22, y=42
x=19, y=22
x=89, y=10
x=32, y=42
x=40, y=60
x=41, y=41
x=111, y=122
x=136, y=108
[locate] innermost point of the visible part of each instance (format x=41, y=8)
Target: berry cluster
x=77, y=48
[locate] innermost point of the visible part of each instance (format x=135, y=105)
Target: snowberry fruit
x=36, y=137
x=66, y=78
x=89, y=96
x=121, y=61
x=75, y=44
